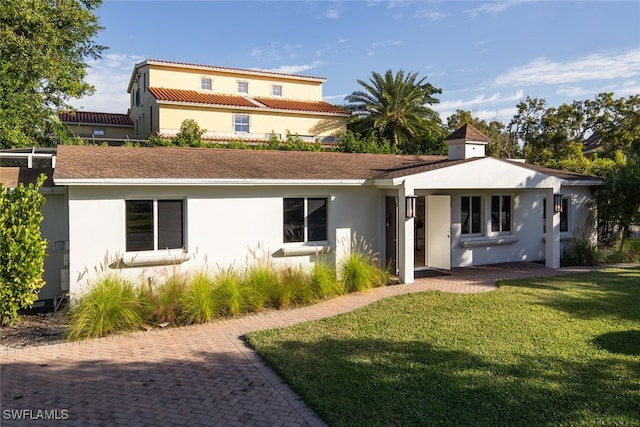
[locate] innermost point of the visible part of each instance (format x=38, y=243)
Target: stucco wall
x=223, y=225
x=260, y=123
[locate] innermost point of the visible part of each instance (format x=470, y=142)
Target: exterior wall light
x=557, y=203
x=410, y=206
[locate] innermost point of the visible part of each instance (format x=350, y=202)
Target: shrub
x=259, y=280
x=162, y=304
x=361, y=269
x=323, y=281
x=291, y=288
x=22, y=248
x=198, y=302
x=229, y=295
x=582, y=251
x=111, y=305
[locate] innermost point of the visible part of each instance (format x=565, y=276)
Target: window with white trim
x=304, y=219
x=276, y=90
x=500, y=214
x=154, y=224
x=243, y=87
x=241, y=123
x=564, y=215
x=471, y=214
x=205, y=83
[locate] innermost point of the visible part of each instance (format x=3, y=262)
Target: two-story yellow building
x=230, y=103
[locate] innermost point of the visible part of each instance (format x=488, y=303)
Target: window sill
x=478, y=242
x=306, y=250
x=153, y=258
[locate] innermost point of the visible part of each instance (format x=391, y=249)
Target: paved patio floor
x=200, y=375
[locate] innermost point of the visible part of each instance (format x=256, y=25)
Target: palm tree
x=395, y=106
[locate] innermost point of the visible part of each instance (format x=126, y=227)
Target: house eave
x=206, y=182
x=256, y=108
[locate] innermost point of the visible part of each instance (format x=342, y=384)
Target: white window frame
x=245, y=85
x=273, y=91
x=156, y=225
x=236, y=123
x=305, y=239
x=206, y=81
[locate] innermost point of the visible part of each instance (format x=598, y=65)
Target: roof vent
x=467, y=142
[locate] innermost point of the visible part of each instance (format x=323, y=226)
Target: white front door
x=438, y=222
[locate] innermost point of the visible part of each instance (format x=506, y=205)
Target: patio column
x=552, y=245
x=405, y=237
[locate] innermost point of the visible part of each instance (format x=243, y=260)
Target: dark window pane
x=475, y=214
x=506, y=213
x=564, y=215
x=465, y=215
x=139, y=225
x=170, y=224
x=293, y=223
x=495, y=213
x=317, y=219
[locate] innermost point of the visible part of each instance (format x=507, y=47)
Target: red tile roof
x=194, y=97
x=294, y=105
x=229, y=69
x=469, y=133
x=88, y=117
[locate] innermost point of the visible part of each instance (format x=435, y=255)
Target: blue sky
x=485, y=56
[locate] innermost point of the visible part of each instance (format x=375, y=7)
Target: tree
x=43, y=48
x=22, y=248
x=190, y=134
x=395, y=106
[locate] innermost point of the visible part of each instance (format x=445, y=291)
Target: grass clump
x=323, y=281
x=230, y=294
x=111, y=305
x=291, y=288
x=259, y=280
x=161, y=303
x=361, y=269
x=199, y=302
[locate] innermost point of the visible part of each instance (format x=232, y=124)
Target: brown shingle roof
x=193, y=97
x=93, y=162
x=469, y=133
x=10, y=177
x=99, y=162
x=88, y=117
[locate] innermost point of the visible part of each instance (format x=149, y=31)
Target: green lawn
x=536, y=352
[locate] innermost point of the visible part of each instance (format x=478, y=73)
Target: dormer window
x=205, y=83
x=243, y=87
x=276, y=90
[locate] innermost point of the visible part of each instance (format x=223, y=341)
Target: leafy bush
x=111, y=305
x=22, y=248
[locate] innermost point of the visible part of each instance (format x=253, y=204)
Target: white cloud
x=591, y=67
x=334, y=97
x=431, y=14
x=292, y=69
x=481, y=106
x=110, y=75
x=631, y=87
x=387, y=43
x=331, y=14
x=255, y=52
x=494, y=7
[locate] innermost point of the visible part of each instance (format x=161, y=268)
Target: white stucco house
x=141, y=211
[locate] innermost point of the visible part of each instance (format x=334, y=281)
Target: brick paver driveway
x=194, y=376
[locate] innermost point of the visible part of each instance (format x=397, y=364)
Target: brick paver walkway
x=194, y=376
